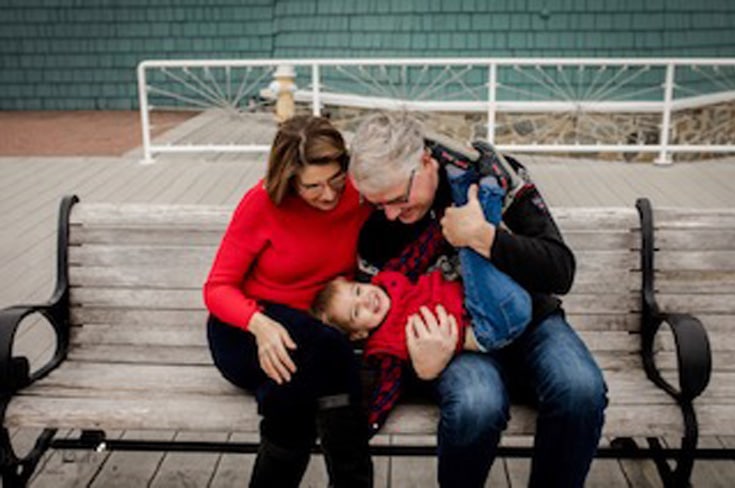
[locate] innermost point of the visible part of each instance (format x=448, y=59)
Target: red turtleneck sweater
x=283, y=254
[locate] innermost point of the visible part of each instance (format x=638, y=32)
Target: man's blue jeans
x=551, y=366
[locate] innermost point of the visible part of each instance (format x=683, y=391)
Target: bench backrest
x=136, y=273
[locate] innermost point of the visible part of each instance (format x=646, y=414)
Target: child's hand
x=432, y=340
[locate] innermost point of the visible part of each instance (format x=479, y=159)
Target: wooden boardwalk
x=30, y=190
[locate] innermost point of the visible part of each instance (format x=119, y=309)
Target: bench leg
x=17, y=471
x=679, y=476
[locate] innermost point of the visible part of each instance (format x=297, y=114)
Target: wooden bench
x=132, y=351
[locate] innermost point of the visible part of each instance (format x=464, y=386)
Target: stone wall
x=714, y=124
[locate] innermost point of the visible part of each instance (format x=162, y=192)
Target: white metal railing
x=575, y=93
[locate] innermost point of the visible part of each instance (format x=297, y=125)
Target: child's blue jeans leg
x=499, y=307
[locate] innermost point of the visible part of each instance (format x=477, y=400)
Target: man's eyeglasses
x=336, y=183
x=401, y=200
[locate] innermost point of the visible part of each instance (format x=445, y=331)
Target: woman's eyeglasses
x=336, y=183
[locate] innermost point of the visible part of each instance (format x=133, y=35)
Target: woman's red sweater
x=283, y=254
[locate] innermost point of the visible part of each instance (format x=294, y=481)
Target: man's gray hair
x=385, y=149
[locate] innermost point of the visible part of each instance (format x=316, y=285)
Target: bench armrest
x=693, y=357
x=693, y=354
x=15, y=371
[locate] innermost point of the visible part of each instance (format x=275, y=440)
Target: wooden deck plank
x=124, y=469
x=71, y=468
x=641, y=473
x=186, y=468
x=234, y=469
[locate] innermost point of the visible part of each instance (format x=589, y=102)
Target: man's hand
x=432, y=340
x=273, y=344
x=466, y=226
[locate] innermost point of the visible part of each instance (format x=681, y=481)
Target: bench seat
x=137, y=356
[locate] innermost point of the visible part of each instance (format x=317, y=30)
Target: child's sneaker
x=491, y=162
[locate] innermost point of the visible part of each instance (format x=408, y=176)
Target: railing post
x=144, y=115
x=492, y=104
x=316, y=102
x=664, y=157
x=284, y=85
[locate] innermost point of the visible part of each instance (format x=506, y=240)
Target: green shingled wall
x=77, y=54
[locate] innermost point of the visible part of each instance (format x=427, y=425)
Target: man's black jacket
x=531, y=251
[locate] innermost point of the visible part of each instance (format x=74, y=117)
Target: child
x=491, y=313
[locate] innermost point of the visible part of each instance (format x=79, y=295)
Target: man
x=393, y=169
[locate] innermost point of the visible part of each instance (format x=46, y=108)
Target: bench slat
x=139, y=334
x=689, y=260
x=595, y=218
x=100, y=315
x=695, y=281
x=620, y=420
x=125, y=379
x=611, y=281
x=164, y=256
x=693, y=219
x=594, y=273
x=187, y=335
x=604, y=322
x=604, y=261
x=129, y=235
x=122, y=380
x=698, y=303
x=238, y=414
x=189, y=299
x=701, y=240
x=601, y=240
x=141, y=354
x=601, y=304
x=192, y=276
x=715, y=419
x=141, y=215
x=197, y=318
x=229, y=413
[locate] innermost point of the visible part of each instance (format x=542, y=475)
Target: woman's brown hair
x=302, y=140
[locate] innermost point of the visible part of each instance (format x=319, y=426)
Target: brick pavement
x=78, y=133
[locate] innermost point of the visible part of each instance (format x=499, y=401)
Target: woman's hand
x=432, y=340
x=273, y=344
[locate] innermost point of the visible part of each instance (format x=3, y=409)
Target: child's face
x=360, y=306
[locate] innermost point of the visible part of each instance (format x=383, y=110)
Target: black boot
x=277, y=466
x=343, y=431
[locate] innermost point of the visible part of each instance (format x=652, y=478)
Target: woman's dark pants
x=322, y=399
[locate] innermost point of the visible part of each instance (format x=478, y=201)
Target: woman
x=292, y=232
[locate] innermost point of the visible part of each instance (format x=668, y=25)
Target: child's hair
x=320, y=307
